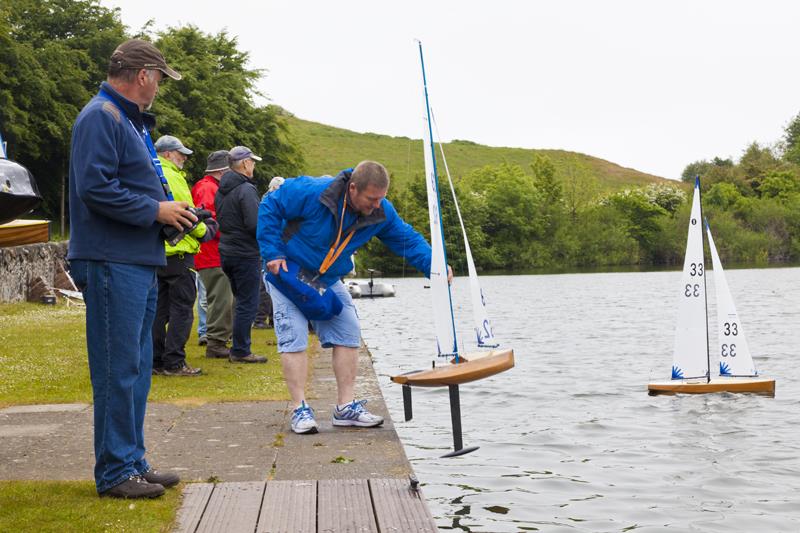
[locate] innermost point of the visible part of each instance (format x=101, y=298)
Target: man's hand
x=175, y=214
x=275, y=265
x=449, y=274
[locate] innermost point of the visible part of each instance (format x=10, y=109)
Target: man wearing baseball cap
x=177, y=282
x=119, y=202
x=237, y=210
x=219, y=298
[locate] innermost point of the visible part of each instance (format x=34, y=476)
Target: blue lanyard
x=144, y=135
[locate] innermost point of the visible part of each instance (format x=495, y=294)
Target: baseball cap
x=217, y=161
x=136, y=54
x=168, y=143
x=238, y=153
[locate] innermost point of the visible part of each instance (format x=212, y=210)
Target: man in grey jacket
x=237, y=213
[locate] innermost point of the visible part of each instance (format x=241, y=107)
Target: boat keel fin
x=407, y=402
x=455, y=417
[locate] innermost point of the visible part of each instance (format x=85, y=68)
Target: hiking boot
x=165, y=479
x=202, y=340
x=354, y=414
x=303, y=419
x=217, y=350
x=134, y=487
x=249, y=358
x=184, y=370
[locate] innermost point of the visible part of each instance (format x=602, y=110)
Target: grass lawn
x=74, y=506
x=43, y=360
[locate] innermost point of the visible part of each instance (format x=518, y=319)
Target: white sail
x=690, y=358
x=440, y=289
x=483, y=329
x=731, y=346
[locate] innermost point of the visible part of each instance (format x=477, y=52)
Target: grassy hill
x=328, y=149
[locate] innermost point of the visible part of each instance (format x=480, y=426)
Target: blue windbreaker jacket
x=300, y=221
x=113, y=188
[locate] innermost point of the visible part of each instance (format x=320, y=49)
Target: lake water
x=570, y=440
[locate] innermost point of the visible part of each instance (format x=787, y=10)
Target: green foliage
x=791, y=141
x=212, y=108
x=55, y=54
x=692, y=170
x=51, y=51
x=328, y=150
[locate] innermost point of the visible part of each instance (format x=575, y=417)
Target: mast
x=434, y=179
x=705, y=284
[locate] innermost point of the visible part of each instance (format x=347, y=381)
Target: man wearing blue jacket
x=119, y=201
x=317, y=224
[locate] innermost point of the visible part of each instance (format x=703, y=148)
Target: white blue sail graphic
x=690, y=356
x=483, y=329
x=731, y=344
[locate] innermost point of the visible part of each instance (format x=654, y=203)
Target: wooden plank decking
x=326, y=506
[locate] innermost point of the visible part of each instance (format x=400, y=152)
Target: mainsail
x=440, y=289
x=732, y=348
x=483, y=329
x=690, y=358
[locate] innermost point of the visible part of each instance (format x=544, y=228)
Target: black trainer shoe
x=260, y=325
x=202, y=340
x=184, y=370
x=249, y=358
x=134, y=487
x=165, y=479
x=158, y=371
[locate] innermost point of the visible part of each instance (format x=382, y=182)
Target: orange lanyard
x=334, y=252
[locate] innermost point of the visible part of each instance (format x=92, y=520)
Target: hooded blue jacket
x=114, y=190
x=300, y=221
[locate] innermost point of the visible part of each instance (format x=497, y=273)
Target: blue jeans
x=244, y=274
x=120, y=307
x=202, y=308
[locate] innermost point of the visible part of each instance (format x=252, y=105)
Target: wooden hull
x=19, y=232
x=471, y=368
x=757, y=385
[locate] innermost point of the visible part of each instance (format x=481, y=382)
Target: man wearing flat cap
x=119, y=202
x=237, y=210
x=219, y=297
x=177, y=284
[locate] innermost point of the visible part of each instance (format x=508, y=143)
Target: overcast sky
x=652, y=85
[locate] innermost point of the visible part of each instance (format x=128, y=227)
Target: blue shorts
x=291, y=326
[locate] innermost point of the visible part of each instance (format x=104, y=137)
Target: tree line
x=54, y=54
x=527, y=218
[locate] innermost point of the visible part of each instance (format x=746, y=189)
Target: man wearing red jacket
x=208, y=264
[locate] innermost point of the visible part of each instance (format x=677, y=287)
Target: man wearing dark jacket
x=237, y=212
x=119, y=200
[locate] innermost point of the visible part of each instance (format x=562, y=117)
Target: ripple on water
x=570, y=440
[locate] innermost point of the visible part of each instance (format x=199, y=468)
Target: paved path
x=242, y=441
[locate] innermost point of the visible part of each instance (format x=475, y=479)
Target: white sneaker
x=303, y=419
x=354, y=414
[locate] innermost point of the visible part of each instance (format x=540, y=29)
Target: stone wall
x=19, y=265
